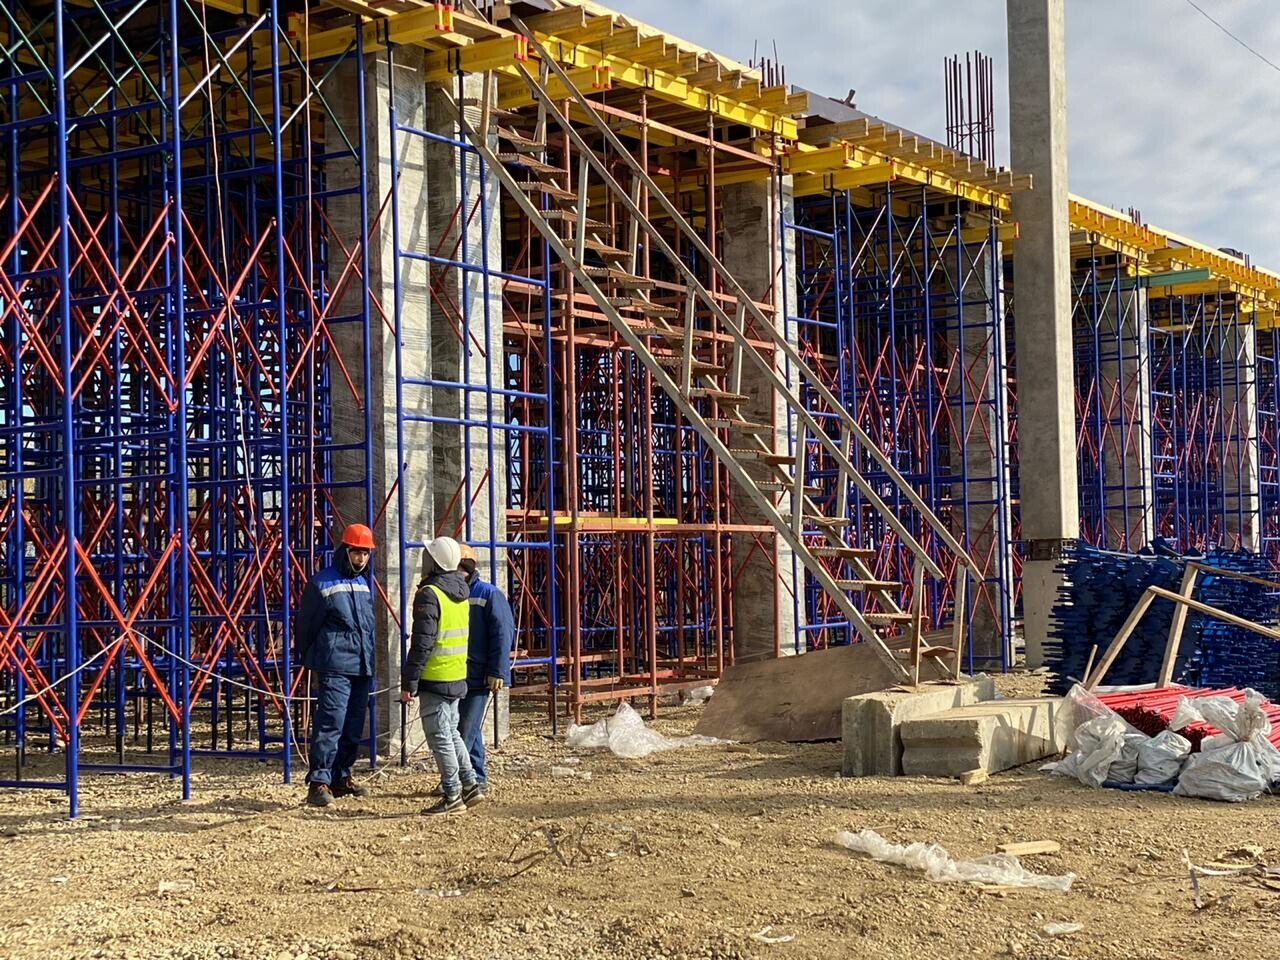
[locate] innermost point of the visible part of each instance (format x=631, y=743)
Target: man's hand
x=494, y=684
x=406, y=696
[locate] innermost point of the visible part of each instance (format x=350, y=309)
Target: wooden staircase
x=673, y=341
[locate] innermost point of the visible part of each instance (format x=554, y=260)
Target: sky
x=1166, y=113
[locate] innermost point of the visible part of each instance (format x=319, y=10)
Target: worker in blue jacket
x=493, y=631
x=334, y=635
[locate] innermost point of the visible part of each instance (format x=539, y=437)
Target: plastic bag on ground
x=1161, y=757
x=934, y=862
x=1235, y=765
x=626, y=735
x=1239, y=721
x=1096, y=737
x=1124, y=768
x=1078, y=707
x=1095, y=745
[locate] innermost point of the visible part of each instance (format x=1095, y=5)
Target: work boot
x=473, y=794
x=446, y=805
x=347, y=787
x=319, y=795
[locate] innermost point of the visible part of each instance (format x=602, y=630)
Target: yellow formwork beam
x=429, y=27
x=1245, y=278
x=1109, y=243
x=618, y=70
x=847, y=179
x=500, y=54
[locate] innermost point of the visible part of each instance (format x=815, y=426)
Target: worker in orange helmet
x=334, y=637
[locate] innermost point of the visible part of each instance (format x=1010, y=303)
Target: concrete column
x=753, y=253
x=1042, y=274
x=450, y=324
x=468, y=462
x=1241, y=493
x=342, y=90
x=974, y=390
x=1125, y=383
x=468, y=477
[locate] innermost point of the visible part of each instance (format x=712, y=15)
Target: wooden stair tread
x=605, y=249
x=698, y=366
x=668, y=333
x=724, y=396
x=868, y=585
x=571, y=216
x=529, y=163
x=550, y=189
x=774, y=486
x=903, y=617
x=768, y=456
x=818, y=521
x=848, y=553
x=645, y=306
x=519, y=140
x=746, y=426
x=620, y=277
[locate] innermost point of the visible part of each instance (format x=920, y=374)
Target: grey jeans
x=440, y=724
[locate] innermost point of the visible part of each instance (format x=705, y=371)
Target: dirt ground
x=688, y=854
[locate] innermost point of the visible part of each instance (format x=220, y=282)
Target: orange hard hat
x=468, y=553
x=358, y=535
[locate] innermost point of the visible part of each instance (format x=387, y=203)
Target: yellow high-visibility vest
x=448, y=660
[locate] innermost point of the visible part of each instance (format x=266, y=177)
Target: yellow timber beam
x=618, y=70
x=847, y=179
x=1247, y=279
x=424, y=27
x=1082, y=240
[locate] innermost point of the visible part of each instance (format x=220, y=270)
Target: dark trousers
x=336, y=726
x=471, y=726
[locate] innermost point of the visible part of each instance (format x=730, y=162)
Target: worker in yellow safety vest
x=436, y=671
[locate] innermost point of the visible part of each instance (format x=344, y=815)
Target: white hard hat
x=445, y=552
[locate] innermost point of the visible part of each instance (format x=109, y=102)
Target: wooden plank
x=957, y=627
x=1176, y=626
x=1116, y=645
x=1029, y=848
x=1214, y=612
x=917, y=616
x=1233, y=574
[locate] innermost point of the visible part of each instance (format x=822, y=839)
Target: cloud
x=1166, y=113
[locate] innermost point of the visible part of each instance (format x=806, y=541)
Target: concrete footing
x=990, y=736
x=871, y=722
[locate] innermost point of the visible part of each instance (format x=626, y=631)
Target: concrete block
x=870, y=722
x=990, y=736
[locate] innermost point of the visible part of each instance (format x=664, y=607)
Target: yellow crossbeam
x=624, y=72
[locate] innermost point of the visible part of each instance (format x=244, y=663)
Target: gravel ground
x=688, y=854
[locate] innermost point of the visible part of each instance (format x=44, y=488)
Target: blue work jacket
x=493, y=631
x=334, y=627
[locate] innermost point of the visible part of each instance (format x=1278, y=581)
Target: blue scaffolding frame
x=169, y=316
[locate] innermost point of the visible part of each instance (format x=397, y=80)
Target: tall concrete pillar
x=1241, y=493
x=450, y=324
x=763, y=601
x=468, y=480
x=1042, y=274
x=1125, y=386
x=343, y=90
x=979, y=346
